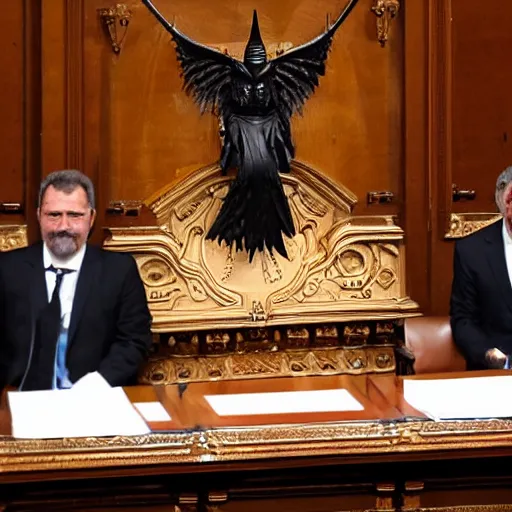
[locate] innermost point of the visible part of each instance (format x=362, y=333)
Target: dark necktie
x=42, y=364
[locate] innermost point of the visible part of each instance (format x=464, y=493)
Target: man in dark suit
x=481, y=300
x=68, y=309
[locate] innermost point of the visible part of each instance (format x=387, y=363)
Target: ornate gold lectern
x=334, y=307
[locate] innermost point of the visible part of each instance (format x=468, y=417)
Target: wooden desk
x=370, y=460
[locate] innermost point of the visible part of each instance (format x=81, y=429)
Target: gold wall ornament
x=340, y=267
x=385, y=10
x=115, y=20
x=13, y=237
x=464, y=224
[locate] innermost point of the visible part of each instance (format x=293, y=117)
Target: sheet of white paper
x=74, y=413
x=92, y=382
x=466, y=398
x=283, y=402
x=152, y=411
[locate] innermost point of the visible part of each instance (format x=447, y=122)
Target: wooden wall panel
x=20, y=104
x=54, y=94
x=481, y=99
x=11, y=102
x=417, y=213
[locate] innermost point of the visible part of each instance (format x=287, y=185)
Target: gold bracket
x=112, y=18
x=385, y=10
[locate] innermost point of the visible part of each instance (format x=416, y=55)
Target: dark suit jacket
x=110, y=322
x=481, y=300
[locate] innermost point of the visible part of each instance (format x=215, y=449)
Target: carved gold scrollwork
x=116, y=20
x=385, y=10
x=12, y=237
x=265, y=360
x=464, y=224
x=340, y=266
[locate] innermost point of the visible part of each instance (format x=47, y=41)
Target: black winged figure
x=255, y=100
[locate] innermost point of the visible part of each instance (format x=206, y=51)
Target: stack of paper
x=91, y=408
x=284, y=402
x=466, y=398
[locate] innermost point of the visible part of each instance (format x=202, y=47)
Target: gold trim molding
x=13, y=237
x=341, y=267
x=255, y=443
x=464, y=224
x=334, y=361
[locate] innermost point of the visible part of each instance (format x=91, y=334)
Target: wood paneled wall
x=20, y=107
x=429, y=109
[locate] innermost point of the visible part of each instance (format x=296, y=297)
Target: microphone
x=496, y=359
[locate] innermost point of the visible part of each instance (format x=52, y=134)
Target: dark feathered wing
x=207, y=73
x=295, y=73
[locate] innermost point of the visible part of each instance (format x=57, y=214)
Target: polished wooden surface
x=200, y=412
x=380, y=395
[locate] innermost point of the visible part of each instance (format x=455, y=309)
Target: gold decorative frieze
x=268, y=363
x=464, y=224
x=12, y=237
x=340, y=267
x=252, y=443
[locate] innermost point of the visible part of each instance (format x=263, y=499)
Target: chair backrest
x=430, y=340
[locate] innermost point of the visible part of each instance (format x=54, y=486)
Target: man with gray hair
x=481, y=299
x=67, y=308
x=503, y=187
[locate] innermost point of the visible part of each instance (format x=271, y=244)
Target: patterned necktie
x=48, y=325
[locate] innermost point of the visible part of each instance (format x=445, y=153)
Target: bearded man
x=68, y=308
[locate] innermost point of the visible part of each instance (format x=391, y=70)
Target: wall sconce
x=116, y=20
x=385, y=10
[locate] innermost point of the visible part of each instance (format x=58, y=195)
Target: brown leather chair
x=429, y=338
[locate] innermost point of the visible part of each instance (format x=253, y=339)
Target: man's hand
x=496, y=359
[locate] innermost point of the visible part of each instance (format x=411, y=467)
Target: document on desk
x=92, y=409
x=284, y=402
x=465, y=398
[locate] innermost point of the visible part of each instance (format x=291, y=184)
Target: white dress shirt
x=68, y=285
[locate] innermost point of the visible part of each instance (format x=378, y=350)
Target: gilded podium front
x=334, y=306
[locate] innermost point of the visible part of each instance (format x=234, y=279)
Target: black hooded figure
x=255, y=100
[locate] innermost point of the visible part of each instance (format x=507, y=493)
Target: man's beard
x=62, y=244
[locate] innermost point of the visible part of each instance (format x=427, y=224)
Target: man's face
x=65, y=220
x=507, y=199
